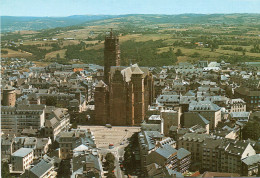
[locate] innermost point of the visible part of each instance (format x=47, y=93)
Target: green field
x=234, y=37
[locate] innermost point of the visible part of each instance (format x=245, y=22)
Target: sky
x=61, y=8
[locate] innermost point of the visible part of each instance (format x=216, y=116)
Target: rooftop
x=41, y=168
x=22, y=152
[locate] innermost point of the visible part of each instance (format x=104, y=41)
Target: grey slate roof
x=240, y=114
x=252, y=159
x=174, y=173
x=182, y=153
x=41, y=168
x=194, y=118
x=22, y=152
x=149, y=135
x=203, y=106
x=166, y=151
x=195, y=137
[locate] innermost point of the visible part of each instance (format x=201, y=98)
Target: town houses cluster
x=192, y=116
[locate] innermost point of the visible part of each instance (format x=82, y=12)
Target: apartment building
x=226, y=155
x=176, y=160
x=208, y=110
x=193, y=142
x=58, y=120
x=236, y=105
x=147, y=142
x=231, y=153
x=72, y=139
x=250, y=165
x=15, y=119
x=21, y=160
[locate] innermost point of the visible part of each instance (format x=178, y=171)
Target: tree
x=251, y=131
x=179, y=52
x=110, y=157
x=4, y=51
x=111, y=175
x=58, y=55
x=51, y=101
x=195, y=55
x=5, y=170
x=110, y=165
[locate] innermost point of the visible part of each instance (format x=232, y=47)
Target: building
x=250, y=165
x=101, y=103
x=202, y=64
x=194, y=118
x=9, y=96
x=16, y=118
x=219, y=174
x=210, y=154
x=147, y=143
x=7, y=147
x=251, y=97
x=58, y=120
x=170, y=118
x=124, y=96
x=70, y=140
x=236, y=105
x=125, y=100
x=111, y=54
x=154, y=123
x=231, y=153
x=86, y=163
x=21, y=160
x=208, y=110
x=176, y=160
x=193, y=142
x=43, y=169
x=154, y=170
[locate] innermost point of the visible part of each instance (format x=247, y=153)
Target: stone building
x=124, y=96
x=251, y=97
x=68, y=141
x=111, y=54
x=193, y=143
x=9, y=96
x=236, y=105
x=58, y=120
x=15, y=119
x=208, y=110
x=170, y=118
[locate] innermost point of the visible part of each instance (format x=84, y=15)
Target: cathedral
x=126, y=92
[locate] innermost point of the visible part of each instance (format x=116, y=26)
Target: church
x=126, y=92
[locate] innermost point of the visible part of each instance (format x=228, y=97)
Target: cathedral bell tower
x=111, y=54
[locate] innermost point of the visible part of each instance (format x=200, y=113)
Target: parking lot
x=116, y=135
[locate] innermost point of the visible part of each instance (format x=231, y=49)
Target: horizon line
x=133, y=14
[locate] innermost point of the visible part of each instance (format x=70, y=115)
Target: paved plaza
x=115, y=135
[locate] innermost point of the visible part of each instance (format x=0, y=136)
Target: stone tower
x=111, y=54
x=118, y=99
x=9, y=96
x=101, y=103
x=138, y=90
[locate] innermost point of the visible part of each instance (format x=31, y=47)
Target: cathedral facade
x=126, y=92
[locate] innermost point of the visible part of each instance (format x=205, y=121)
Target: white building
x=21, y=160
